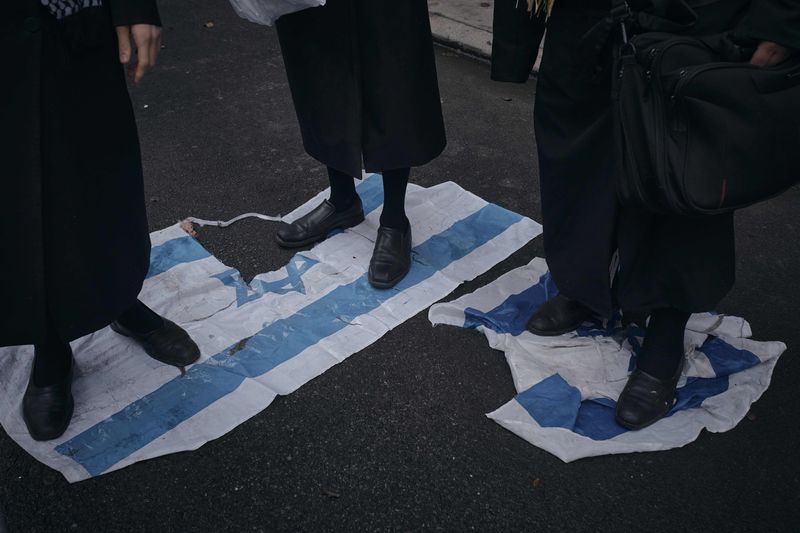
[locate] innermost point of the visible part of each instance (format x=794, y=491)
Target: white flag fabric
x=266, y=12
x=568, y=385
x=257, y=340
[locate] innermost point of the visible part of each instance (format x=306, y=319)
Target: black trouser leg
x=663, y=343
x=140, y=319
x=343, y=189
x=52, y=360
x=394, y=198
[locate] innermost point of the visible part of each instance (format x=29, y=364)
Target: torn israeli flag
x=257, y=340
x=568, y=385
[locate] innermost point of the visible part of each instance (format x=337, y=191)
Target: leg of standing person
x=670, y=267
x=321, y=67
x=364, y=85
x=574, y=138
x=403, y=122
x=343, y=190
x=391, y=257
x=80, y=162
x=343, y=209
x=395, y=183
x=48, y=404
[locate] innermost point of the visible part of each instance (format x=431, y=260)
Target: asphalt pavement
x=463, y=24
x=396, y=438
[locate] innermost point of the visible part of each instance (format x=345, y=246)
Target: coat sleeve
x=516, y=39
x=128, y=12
x=772, y=20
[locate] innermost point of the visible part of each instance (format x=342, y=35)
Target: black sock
x=52, y=360
x=140, y=319
x=394, y=198
x=663, y=343
x=343, y=189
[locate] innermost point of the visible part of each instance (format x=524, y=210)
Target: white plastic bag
x=268, y=11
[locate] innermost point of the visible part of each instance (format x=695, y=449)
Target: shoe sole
x=552, y=333
x=637, y=427
x=61, y=431
x=350, y=223
x=176, y=364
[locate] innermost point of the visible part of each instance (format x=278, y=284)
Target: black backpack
x=699, y=131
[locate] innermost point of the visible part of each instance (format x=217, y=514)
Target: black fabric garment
x=772, y=20
x=515, y=41
x=343, y=189
x=52, y=359
x=72, y=215
x=394, y=198
x=664, y=261
x=129, y=12
x=140, y=319
x=363, y=79
x=663, y=343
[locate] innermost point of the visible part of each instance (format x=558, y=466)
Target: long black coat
x=72, y=218
x=363, y=79
x=664, y=261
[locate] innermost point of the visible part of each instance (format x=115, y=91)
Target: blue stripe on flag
x=112, y=440
x=174, y=252
x=552, y=402
x=696, y=391
x=594, y=418
x=727, y=360
x=513, y=314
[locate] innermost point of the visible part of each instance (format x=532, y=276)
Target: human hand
x=147, y=39
x=768, y=54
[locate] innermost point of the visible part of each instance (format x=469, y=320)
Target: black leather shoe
x=317, y=225
x=47, y=411
x=557, y=316
x=646, y=399
x=169, y=344
x=391, y=258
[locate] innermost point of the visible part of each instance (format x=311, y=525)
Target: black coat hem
x=130, y=12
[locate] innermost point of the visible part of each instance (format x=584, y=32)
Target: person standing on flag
x=76, y=247
x=604, y=256
x=363, y=79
